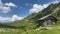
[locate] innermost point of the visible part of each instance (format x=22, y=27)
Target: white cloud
x=10, y=4
x=12, y=19
x=36, y=7
x=6, y=8
x=15, y=17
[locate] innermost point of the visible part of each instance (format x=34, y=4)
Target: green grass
x=34, y=31
x=29, y=29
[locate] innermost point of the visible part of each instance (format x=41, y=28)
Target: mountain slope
x=30, y=21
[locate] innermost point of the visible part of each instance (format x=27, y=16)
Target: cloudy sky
x=13, y=10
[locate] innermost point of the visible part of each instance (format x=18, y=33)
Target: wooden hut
x=47, y=20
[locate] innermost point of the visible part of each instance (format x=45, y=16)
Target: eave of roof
x=45, y=17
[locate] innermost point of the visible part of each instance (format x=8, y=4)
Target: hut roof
x=45, y=16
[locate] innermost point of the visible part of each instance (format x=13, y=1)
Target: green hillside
x=29, y=24
x=53, y=9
